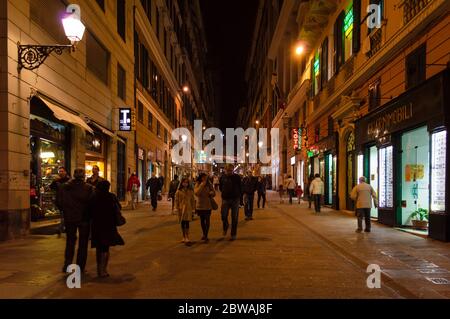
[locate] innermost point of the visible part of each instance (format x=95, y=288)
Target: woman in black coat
x=103, y=209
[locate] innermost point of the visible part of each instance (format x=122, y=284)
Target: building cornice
x=282, y=23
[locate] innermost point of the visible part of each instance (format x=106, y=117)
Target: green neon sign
x=348, y=21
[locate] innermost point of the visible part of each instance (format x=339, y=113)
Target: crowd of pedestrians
x=90, y=212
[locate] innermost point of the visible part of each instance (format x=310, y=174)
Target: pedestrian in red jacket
x=299, y=192
x=133, y=187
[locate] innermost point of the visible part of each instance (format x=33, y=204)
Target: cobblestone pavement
x=287, y=251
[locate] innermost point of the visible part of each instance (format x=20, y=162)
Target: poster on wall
x=414, y=172
x=438, y=158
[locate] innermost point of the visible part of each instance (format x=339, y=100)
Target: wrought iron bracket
x=31, y=56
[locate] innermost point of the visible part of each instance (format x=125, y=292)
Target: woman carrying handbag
x=104, y=209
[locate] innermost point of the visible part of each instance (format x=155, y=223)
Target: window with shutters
x=374, y=95
x=157, y=23
x=324, y=63
x=416, y=67
x=121, y=82
x=147, y=5
x=338, y=42
x=97, y=57
x=150, y=121
x=121, y=18
x=144, y=66
x=140, y=112
x=158, y=128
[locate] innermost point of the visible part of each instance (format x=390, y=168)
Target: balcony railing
x=412, y=7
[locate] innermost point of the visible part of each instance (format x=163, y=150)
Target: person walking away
x=74, y=200
x=103, y=209
x=231, y=189
x=204, y=192
x=95, y=178
x=173, y=187
x=56, y=186
x=310, y=196
x=363, y=194
x=249, y=186
x=154, y=184
x=299, y=192
x=261, y=188
x=290, y=187
x=134, y=184
x=316, y=189
x=185, y=205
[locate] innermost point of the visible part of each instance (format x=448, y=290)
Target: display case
x=438, y=158
x=386, y=199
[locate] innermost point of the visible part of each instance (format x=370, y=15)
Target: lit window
x=348, y=32
x=316, y=73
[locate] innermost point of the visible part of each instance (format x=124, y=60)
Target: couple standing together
x=201, y=201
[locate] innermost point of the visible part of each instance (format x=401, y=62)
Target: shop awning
x=64, y=115
x=103, y=129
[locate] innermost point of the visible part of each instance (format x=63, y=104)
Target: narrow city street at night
x=224, y=158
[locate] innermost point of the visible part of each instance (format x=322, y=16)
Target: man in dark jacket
x=56, y=186
x=249, y=186
x=173, y=189
x=74, y=199
x=155, y=186
x=231, y=188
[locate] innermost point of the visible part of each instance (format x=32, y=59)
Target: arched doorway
x=351, y=165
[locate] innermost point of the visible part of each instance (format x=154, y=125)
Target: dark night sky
x=229, y=28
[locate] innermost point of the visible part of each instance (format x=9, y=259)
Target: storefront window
x=95, y=154
x=47, y=146
x=386, y=178
x=438, y=158
x=415, y=172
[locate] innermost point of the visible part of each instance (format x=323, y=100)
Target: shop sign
x=293, y=160
x=416, y=106
x=384, y=124
x=125, y=119
x=297, y=138
x=140, y=154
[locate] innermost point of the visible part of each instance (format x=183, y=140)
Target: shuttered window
x=97, y=57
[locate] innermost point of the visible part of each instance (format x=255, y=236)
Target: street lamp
x=299, y=49
x=32, y=56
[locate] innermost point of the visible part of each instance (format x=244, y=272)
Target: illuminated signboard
x=125, y=119
x=297, y=138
